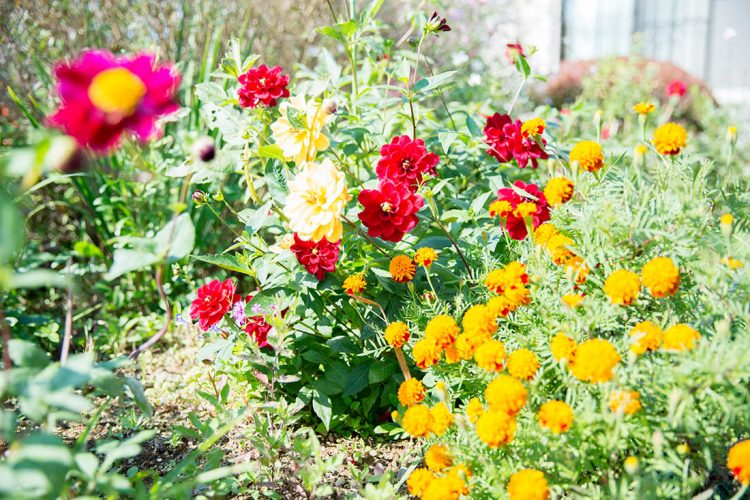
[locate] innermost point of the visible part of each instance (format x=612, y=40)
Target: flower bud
x=631, y=465
x=639, y=155
x=200, y=198
x=204, y=149
x=732, y=135
x=725, y=222
x=598, y=119
x=329, y=106
x=683, y=449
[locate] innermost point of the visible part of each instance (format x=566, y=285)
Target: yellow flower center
x=116, y=90
x=386, y=207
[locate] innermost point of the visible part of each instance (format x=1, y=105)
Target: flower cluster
x=520, y=208
x=508, y=140
x=660, y=275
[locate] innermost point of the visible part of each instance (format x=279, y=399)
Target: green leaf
x=474, y=129
x=126, y=260
x=139, y=395
x=26, y=354
x=332, y=32
x=256, y=219
x=177, y=239
x=322, y=408
x=446, y=139
x=230, y=262
x=522, y=65
x=11, y=223
x=272, y=150
x=433, y=82
x=87, y=250
x=380, y=371
x=357, y=380
x=39, y=278
x=297, y=118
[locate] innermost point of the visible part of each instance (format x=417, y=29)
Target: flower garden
x=505, y=298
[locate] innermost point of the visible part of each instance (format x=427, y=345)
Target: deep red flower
x=318, y=258
x=512, y=50
x=406, y=161
x=257, y=328
x=214, y=300
x=514, y=222
x=102, y=96
x=262, y=85
x=390, y=211
x=676, y=87
x=507, y=142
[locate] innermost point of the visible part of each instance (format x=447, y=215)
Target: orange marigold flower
x=644, y=108
x=418, y=421
x=490, y=356
x=556, y=416
x=496, y=428
x=479, y=324
x=622, y=287
x=594, y=361
x=535, y=126
x=680, y=337
x=506, y=394
x=577, y=269
x=438, y=458
x=442, y=330
x=448, y=487
x=525, y=209
x=474, y=410
x=397, y=334
x=572, y=300
x=645, y=336
x=355, y=284
x=501, y=208
x=738, y=461
x=670, y=138
x=562, y=347
x=624, y=402
x=418, y=481
x=544, y=232
x=425, y=256
x=588, y=154
x=528, y=484
x=452, y=355
x=661, y=276
x=411, y=392
x=458, y=476
x=499, y=306
x=442, y=418
x=523, y=364
x=558, y=190
x=426, y=353
x=402, y=269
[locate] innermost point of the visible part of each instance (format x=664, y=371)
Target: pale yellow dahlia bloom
x=317, y=196
x=299, y=131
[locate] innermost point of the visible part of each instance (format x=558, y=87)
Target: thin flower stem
x=377, y=247
x=516, y=96
x=372, y=303
x=167, y=318
x=6, y=340
x=413, y=119
x=455, y=245
x=402, y=363
x=68, y=335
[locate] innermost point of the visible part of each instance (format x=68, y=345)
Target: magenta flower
x=102, y=96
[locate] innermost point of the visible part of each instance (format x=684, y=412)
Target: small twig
x=402, y=363
x=372, y=303
x=68, y=335
x=6, y=340
x=167, y=319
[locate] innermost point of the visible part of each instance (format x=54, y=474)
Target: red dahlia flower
x=262, y=85
x=214, y=300
x=103, y=96
x=533, y=208
x=512, y=50
x=405, y=161
x=676, y=88
x=390, y=211
x=257, y=328
x=507, y=142
x=318, y=258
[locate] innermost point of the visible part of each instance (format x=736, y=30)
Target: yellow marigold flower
x=425, y=256
x=490, y=356
x=624, y=402
x=577, y=269
x=418, y=481
x=425, y=353
x=525, y=209
x=397, y=334
x=562, y=347
x=465, y=345
x=588, y=154
x=301, y=144
x=556, y=416
x=438, y=458
x=479, y=324
x=496, y=428
x=738, y=461
x=622, y=287
x=731, y=134
x=442, y=330
x=528, y=484
x=442, y=418
x=317, y=195
x=641, y=149
x=499, y=306
x=643, y=108
x=501, y=208
x=506, y=394
x=523, y=364
x=645, y=336
x=572, y=300
x=670, y=138
x=411, y=392
x=558, y=190
x=474, y=410
x=452, y=354
x=458, y=476
x=535, y=126
x=661, y=276
x=355, y=284
x=402, y=269
x=418, y=421
x=395, y=416
x=680, y=337
x=726, y=219
x=631, y=465
x=511, y=282
x=594, y=361
x=732, y=263
x=448, y=487
x=562, y=256
x=544, y=232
